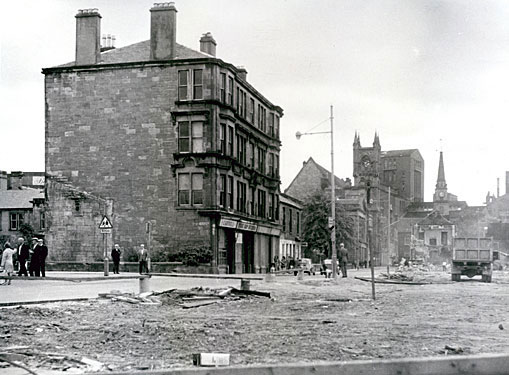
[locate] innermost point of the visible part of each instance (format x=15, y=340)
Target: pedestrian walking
x=343, y=259
x=32, y=261
x=115, y=256
x=23, y=252
x=7, y=263
x=143, y=258
x=35, y=259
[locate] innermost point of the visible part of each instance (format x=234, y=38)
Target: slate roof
x=140, y=52
x=435, y=218
x=19, y=199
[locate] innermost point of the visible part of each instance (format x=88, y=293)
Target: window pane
x=197, y=196
x=183, y=92
x=184, y=182
x=197, y=92
x=183, y=129
x=197, y=181
x=184, y=197
x=197, y=129
x=184, y=145
x=197, y=79
x=183, y=78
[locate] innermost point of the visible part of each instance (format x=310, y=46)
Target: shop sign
x=275, y=232
x=227, y=223
x=244, y=225
x=263, y=230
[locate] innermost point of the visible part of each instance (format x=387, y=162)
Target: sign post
x=105, y=227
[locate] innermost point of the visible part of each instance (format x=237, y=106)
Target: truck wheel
x=486, y=278
x=455, y=277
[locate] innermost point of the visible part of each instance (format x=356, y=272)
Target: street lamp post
x=333, y=192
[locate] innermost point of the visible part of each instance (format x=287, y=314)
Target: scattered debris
x=211, y=359
x=386, y=281
x=451, y=350
x=500, y=326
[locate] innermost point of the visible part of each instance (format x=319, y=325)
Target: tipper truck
x=471, y=257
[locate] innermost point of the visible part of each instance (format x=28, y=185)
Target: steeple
x=376, y=142
x=356, y=140
x=441, y=186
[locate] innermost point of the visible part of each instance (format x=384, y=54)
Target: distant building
x=178, y=140
x=19, y=205
x=290, y=215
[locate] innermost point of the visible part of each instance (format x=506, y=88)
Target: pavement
x=75, y=286
x=68, y=286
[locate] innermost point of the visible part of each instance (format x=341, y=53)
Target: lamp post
x=333, y=192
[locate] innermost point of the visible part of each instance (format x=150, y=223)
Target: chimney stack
x=242, y=72
x=498, y=187
x=15, y=181
x=88, y=36
x=3, y=180
x=208, y=44
x=507, y=182
x=163, y=31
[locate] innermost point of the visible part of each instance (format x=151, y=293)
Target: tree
x=315, y=227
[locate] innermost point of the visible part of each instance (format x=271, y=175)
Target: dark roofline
x=152, y=63
x=407, y=152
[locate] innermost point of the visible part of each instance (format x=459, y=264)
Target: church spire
x=357, y=140
x=441, y=184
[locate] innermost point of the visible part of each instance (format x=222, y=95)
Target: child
x=7, y=263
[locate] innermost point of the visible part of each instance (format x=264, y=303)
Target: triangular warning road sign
x=105, y=223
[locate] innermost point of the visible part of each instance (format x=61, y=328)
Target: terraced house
x=173, y=137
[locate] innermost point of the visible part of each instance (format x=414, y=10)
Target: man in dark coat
x=343, y=258
x=115, y=256
x=35, y=266
x=23, y=252
x=43, y=253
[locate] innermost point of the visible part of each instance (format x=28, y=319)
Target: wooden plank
x=380, y=281
x=485, y=364
x=211, y=276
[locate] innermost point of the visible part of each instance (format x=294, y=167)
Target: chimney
x=88, y=36
x=498, y=187
x=163, y=31
x=108, y=42
x=242, y=72
x=208, y=44
x=3, y=180
x=15, y=181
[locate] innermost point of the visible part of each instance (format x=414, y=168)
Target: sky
x=431, y=75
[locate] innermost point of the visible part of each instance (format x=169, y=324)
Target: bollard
x=244, y=284
x=144, y=284
x=300, y=274
x=106, y=266
x=271, y=276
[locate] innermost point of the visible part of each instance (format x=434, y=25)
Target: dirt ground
x=303, y=321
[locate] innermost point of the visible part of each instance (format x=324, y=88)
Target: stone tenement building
x=172, y=137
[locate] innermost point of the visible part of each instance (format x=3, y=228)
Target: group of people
x=24, y=255
x=143, y=259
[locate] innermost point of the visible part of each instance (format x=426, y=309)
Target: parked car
x=306, y=265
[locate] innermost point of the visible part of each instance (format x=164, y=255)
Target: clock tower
x=441, y=194
x=366, y=162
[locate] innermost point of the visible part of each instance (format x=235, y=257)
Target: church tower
x=441, y=194
x=366, y=162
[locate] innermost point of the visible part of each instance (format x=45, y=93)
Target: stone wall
x=72, y=221
x=110, y=132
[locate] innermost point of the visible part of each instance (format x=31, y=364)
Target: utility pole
x=333, y=199
x=389, y=226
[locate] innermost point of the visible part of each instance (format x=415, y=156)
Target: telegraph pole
x=333, y=199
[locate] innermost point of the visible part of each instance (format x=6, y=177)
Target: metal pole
x=333, y=199
x=106, y=260
x=389, y=226
x=372, y=260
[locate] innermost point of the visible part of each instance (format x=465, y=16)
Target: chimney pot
x=163, y=31
x=208, y=44
x=88, y=36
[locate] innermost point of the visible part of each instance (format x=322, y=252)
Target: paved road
x=90, y=284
